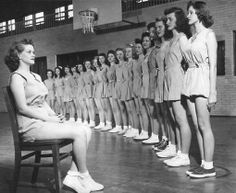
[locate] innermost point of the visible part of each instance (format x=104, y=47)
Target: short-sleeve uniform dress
x=35, y=93
x=111, y=77
x=50, y=84
x=88, y=81
x=98, y=84
x=59, y=88
x=160, y=56
x=127, y=83
x=137, y=76
x=145, y=77
x=174, y=74
x=68, y=87
x=119, y=80
x=196, y=78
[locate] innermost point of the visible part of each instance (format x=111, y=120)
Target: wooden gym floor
x=125, y=166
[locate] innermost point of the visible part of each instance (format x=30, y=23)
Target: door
x=40, y=67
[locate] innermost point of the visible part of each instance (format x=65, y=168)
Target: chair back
x=12, y=111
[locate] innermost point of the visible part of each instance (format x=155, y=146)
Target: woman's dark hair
x=147, y=34
x=12, y=59
x=181, y=20
x=60, y=69
x=69, y=69
x=83, y=68
x=114, y=53
x=122, y=50
x=91, y=65
x=137, y=41
x=105, y=57
x=202, y=12
x=150, y=25
x=168, y=34
x=49, y=70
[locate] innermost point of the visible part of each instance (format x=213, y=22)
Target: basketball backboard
x=109, y=11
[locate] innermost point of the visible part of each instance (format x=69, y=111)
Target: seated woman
x=37, y=121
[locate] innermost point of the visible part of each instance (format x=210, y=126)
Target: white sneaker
x=179, y=160
x=75, y=183
x=79, y=121
x=172, y=158
x=170, y=151
x=152, y=140
x=107, y=127
x=90, y=184
x=127, y=132
x=92, y=124
x=72, y=119
x=132, y=133
x=100, y=126
x=116, y=129
x=85, y=123
x=142, y=136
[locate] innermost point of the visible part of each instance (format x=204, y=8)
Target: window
x=3, y=27
x=39, y=18
x=29, y=21
x=70, y=11
x=234, y=42
x=221, y=58
x=11, y=25
x=60, y=13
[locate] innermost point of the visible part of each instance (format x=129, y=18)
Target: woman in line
x=37, y=121
x=148, y=89
x=98, y=91
x=59, y=89
x=105, y=100
x=120, y=54
x=137, y=85
x=127, y=92
x=75, y=88
x=200, y=84
x=174, y=73
x=88, y=88
x=163, y=37
x=69, y=104
x=49, y=82
x=84, y=109
x=111, y=76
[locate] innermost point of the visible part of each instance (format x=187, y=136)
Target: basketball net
x=88, y=18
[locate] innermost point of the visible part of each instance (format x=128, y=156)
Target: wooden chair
x=35, y=148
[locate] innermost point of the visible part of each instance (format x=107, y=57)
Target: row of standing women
x=148, y=90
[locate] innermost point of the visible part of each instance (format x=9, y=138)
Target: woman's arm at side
x=212, y=54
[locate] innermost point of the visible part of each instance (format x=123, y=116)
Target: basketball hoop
x=88, y=18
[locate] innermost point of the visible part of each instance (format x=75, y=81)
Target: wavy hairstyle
x=114, y=53
x=168, y=34
x=181, y=20
x=12, y=59
x=202, y=12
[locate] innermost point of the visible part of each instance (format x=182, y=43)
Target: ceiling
x=17, y=9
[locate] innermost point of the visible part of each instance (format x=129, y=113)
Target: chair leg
x=56, y=167
x=16, y=171
x=36, y=168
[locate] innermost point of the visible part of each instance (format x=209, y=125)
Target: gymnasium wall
x=63, y=39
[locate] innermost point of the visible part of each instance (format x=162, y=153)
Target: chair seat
x=45, y=143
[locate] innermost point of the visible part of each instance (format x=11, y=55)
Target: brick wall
x=64, y=39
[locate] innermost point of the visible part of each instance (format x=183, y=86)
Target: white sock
x=184, y=155
x=202, y=163
x=84, y=174
x=108, y=123
x=208, y=165
x=125, y=127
